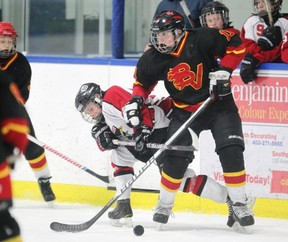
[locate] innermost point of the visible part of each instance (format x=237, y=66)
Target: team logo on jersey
x=182, y=76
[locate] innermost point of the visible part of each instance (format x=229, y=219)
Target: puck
x=138, y=230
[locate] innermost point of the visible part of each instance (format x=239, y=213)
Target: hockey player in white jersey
x=104, y=110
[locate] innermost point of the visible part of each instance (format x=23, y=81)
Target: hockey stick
x=193, y=147
x=64, y=157
x=187, y=13
x=74, y=228
x=269, y=12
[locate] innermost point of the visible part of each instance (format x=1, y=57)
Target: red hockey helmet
x=7, y=30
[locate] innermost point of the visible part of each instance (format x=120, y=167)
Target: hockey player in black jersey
x=185, y=60
x=13, y=142
x=16, y=68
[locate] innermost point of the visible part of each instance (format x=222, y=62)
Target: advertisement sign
x=263, y=107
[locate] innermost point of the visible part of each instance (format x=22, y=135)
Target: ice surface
x=35, y=218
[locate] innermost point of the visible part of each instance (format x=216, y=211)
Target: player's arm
x=284, y=49
x=233, y=50
x=24, y=81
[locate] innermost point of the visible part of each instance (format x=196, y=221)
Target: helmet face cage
x=275, y=7
x=215, y=8
x=7, y=30
x=89, y=93
x=167, y=21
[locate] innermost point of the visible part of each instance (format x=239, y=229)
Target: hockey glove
x=220, y=84
x=11, y=153
x=248, y=68
x=141, y=138
x=103, y=136
x=132, y=112
x=272, y=36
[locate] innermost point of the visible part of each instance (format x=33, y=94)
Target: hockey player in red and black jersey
x=16, y=68
x=185, y=60
x=104, y=109
x=262, y=37
x=14, y=129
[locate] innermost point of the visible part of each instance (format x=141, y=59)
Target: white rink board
x=59, y=125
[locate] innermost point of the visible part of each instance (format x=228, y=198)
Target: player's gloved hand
x=220, y=84
x=132, y=112
x=248, y=68
x=103, y=136
x=141, y=138
x=272, y=36
x=12, y=154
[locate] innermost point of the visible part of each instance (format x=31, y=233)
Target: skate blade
x=123, y=222
x=242, y=229
x=159, y=227
x=50, y=204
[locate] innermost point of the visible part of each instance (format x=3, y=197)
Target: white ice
x=35, y=218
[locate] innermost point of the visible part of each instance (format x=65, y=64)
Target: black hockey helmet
x=167, y=21
x=212, y=8
x=89, y=92
x=275, y=8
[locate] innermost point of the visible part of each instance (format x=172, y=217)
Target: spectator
x=262, y=36
x=194, y=7
x=216, y=15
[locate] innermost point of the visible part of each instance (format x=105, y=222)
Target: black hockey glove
x=103, y=136
x=272, y=36
x=248, y=68
x=141, y=138
x=132, y=112
x=220, y=84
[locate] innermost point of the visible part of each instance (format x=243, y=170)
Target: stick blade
x=72, y=228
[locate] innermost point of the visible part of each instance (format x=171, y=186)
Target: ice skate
x=246, y=211
x=162, y=213
x=46, y=190
x=122, y=214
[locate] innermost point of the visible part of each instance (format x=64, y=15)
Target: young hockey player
x=216, y=15
x=16, y=68
x=103, y=108
x=14, y=129
x=185, y=60
x=262, y=37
